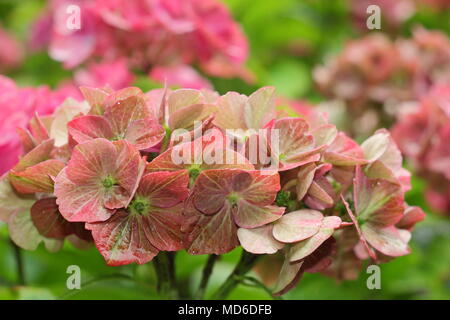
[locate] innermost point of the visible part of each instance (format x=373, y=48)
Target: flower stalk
x=164, y=265
x=207, y=272
x=245, y=264
x=19, y=263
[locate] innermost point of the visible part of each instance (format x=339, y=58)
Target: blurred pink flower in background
x=11, y=54
x=17, y=107
x=393, y=13
x=182, y=75
x=423, y=135
x=374, y=74
x=114, y=74
x=374, y=68
x=147, y=34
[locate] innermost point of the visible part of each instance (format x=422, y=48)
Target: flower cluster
x=17, y=107
x=393, y=13
x=373, y=74
x=422, y=135
x=139, y=173
x=168, y=34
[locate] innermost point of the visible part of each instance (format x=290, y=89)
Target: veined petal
x=184, y=118
x=249, y=216
x=289, y=276
x=213, y=234
x=162, y=227
x=377, y=200
x=298, y=225
x=388, y=240
x=37, y=178
x=164, y=189
x=23, y=232
x=181, y=98
x=39, y=154
x=10, y=202
x=90, y=127
x=259, y=240
x=306, y=247
x=344, y=152
x=48, y=220
x=144, y=133
x=121, y=114
x=91, y=161
x=122, y=239
x=260, y=108
x=80, y=203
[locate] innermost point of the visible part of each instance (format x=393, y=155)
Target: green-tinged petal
x=259, y=240
x=298, y=225
x=24, y=233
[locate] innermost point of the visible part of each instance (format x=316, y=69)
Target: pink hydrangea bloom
x=373, y=75
x=423, y=135
x=17, y=106
x=147, y=34
x=134, y=173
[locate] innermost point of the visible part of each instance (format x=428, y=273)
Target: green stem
x=252, y=282
x=19, y=263
x=244, y=265
x=166, y=139
x=207, y=271
x=165, y=270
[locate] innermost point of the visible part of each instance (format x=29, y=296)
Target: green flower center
x=118, y=137
x=109, y=182
x=233, y=198
x=194, y=171
x=139, y=206
x=283, y=198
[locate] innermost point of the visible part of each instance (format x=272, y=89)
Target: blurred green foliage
x=287, y=39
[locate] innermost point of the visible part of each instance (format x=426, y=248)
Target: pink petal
x=378, y=201
x=260, y=108
x=145, y=133
x=122, y=239
x=289, y=276
x=92, y=161
x=162, y=228
x=164, y=189
x=90, y=127
x=48, y=221
x=184, y=118
x=306, y=247
x=298, y=225
x=123, y=112
x=249, y=215
x=213, y=234
x=389, y=240
x=37, y=178
x=411, y=216
x=39, y=154
x=259, y=240
x=344, y=152
x=79, y=203
x=95, y=97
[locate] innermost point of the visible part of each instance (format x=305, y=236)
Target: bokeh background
x=288, y=39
